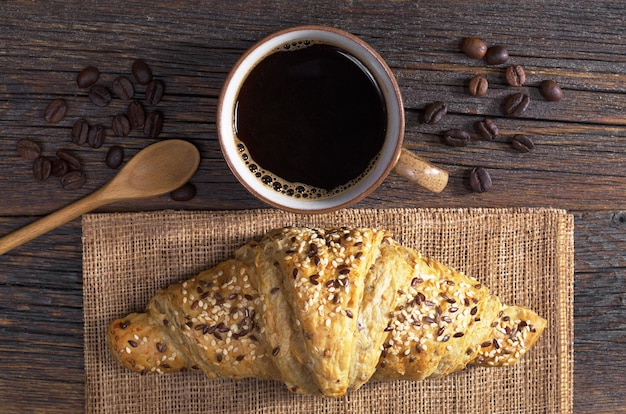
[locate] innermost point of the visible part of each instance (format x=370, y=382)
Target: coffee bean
x=72, y=161
x=515, y=76
x=516, y=104
x=59, y=168
x=55, y=111
x=114, y=157
x=123, y=88
x=120, y=125
x=154, y=92
x=479, y=179
x=153, y=125
x=456, y=137
x=87, y=77
x=142, y=72
x=478, y=85
x=496, y=55
x=42, y=167
x=73, y=180
x=80, y=132
x=184, y=193
x=550, y=90
x=96, y=136
x=487, y=129
x=28, y=149
x=522, y=143
x=474, y=47
x=136, y=114
x=99, y=95
x=434, y=112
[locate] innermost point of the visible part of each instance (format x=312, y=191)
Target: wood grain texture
x=578, y=164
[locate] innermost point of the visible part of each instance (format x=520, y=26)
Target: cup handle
x=421, y=172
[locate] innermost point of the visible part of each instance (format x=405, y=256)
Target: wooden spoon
x=158, y=169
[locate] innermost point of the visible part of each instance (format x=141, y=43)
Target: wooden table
x=578, y=163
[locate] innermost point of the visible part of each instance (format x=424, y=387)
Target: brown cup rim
x=394, y=94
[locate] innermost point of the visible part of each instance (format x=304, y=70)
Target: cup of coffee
x=311, y=120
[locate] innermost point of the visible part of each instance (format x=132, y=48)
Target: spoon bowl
x=157, y=169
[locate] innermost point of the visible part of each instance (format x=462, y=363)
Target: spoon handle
x=50, y=222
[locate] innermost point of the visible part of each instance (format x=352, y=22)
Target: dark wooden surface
x=578, y=164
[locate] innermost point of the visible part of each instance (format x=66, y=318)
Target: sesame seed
x=275, y=351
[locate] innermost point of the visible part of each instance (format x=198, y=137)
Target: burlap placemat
x=524, y=255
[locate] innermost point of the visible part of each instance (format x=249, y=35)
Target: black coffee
x=310, y=114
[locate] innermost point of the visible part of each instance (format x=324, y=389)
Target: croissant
x=324, y=311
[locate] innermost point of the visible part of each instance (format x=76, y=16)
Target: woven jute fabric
x=525, y=256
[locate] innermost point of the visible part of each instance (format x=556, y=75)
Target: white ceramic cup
x=392, y=155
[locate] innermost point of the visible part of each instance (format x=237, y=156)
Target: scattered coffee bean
x=99, y=95
x=478, y=85
x=59, y=168
x=522, y=143
x=487, y=129
x=515, y=76
x=73, y=180
x=184, y=193
x=55, y=111
x=28, y=149
x=142, y=72
x=72, y=161
x=114, y=157
x=550, y=90
x=153, y=125
x=87, y=77
x=474, y=47
x=154, y=92
x=42, y=167
x=496, y=55
x=456, y=137
x=516, y=104
x=435, y=112
x=479, y=179
x=120, y=125
x=96, y=136
x=136, y=114
x=123, y=88
x=80, y=132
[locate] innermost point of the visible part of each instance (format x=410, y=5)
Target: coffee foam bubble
x=295, y=189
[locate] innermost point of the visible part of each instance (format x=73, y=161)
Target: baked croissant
x=324, y=311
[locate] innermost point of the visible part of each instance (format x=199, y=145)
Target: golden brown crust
x=324, y=311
